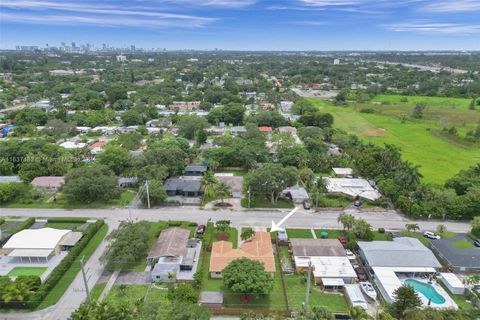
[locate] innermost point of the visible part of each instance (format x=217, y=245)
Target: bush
x=352, y=245
x=2, y=221
x=23, y=225
x=476, y=232
x=173, y=223
x=367, y=110
x=66, y=263
x=381, y=230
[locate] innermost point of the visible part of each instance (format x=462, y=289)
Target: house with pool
x=402, y=261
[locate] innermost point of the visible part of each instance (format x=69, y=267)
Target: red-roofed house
x=265, y=129
x=97, y=147
x=48, y=183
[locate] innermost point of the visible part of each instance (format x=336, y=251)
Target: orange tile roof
x=265, y=129
x=259, y=249
x=99, y=144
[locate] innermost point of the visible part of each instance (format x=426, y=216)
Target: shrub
x=172, y=223
x=2, y=221
x=381, y=230
x=352, y=245
x=367, y=110
x=476, y=232
x=23, y=225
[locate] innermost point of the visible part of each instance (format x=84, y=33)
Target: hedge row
x=19, y=227
x=68, y=219
x=66, y=263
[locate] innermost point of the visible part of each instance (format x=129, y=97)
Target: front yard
x=27, y=271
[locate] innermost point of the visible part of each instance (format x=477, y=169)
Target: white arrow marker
x=276, y=227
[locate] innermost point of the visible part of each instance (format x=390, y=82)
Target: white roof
x=45, y=238
x=40, y=253
x=328, y=267
x=72, y=145
x=343, y=171
x=355, y=295
x=333, y=282
x=352, y=187
x=452, y=280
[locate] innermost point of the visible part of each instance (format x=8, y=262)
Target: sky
x=244, y=24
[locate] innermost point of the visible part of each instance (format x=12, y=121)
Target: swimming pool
x=426, y=290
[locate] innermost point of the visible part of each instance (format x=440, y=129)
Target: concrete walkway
x=313, y=233
x=109, y=285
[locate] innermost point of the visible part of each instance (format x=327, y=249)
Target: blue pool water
x=426, y=290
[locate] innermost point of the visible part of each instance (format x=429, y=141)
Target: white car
x=431, y=235
x=350, y=255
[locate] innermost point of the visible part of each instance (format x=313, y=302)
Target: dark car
x=201, y=229
x=307, y=205
x=477, y=243
x=342, y=240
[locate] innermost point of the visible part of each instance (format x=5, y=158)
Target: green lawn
x=459, y=299
x=64, y=225
x=299, y=234
x=296, y=288
x=125, y=198
x=134, y=293
x=97, y=290
x=26, y=271
x=463, y=244
x=332, y=234
x=442, y=102
x=62, y=285
x=439, y=159
x=274, y=301
x=419, y=236
x=262, y=202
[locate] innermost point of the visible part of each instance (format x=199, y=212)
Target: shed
x=282, y=236
x=9, y=179
x=212, y=299
x=355, y=297
x=451, y=281
x=195, y=170
x=70, y=240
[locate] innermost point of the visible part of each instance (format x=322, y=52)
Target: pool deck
x=449, y=303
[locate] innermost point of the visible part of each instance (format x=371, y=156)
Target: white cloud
x=454, y=6
x=91, y=14
x=435, y=27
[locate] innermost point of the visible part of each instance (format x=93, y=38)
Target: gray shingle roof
x=401, y=252
x=172, y=242
x=188, y=184
x=317, y=248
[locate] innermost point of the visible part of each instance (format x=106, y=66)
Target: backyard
x=26, y=271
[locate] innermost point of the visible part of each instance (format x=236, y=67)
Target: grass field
x=439, y=159
x=442, y=102
x=97, y=290
x=62, y=285
x=134, y=293
x=299, y=233
x=26, y=271
x=296, y=288
x=463, y=244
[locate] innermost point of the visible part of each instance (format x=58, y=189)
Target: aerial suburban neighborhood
x=142, y=182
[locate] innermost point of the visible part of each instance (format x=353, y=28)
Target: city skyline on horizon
x=245, y=25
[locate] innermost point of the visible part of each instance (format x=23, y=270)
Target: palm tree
x=347, y=220
x=213, y=164
x=247, y=234
x=223, y=191
x=357, y=313
x=208, y=180
x=16, y=291
x=412, y=227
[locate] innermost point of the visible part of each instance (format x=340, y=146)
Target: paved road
x=389, y=220
x=73, y=297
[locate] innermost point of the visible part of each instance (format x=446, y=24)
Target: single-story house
x=36, y=244
x=10, y=179
x=172, y=253
x=330, y=265
x=97, y=147
x=127, y=182
x=296, y=193
x=51, y=184
x=195, y=170
x=352, y=187
x=236, y=131
x=343, y=172
x=394, y=261
x=457, y=259
x=265, y=129
x=288, y=129
x=259, y=248
x=73, y=145
x=234, y=182
x=188, y=186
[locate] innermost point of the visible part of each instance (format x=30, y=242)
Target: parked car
x=342, y=240
x=350, y=255
x=431, y=235
x=201, y=229
x=307, y=205
x=477, y=242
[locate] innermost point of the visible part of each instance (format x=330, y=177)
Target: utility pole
x=148, y=194
x=249, y=191
x=85, y=281
x=307, y=294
